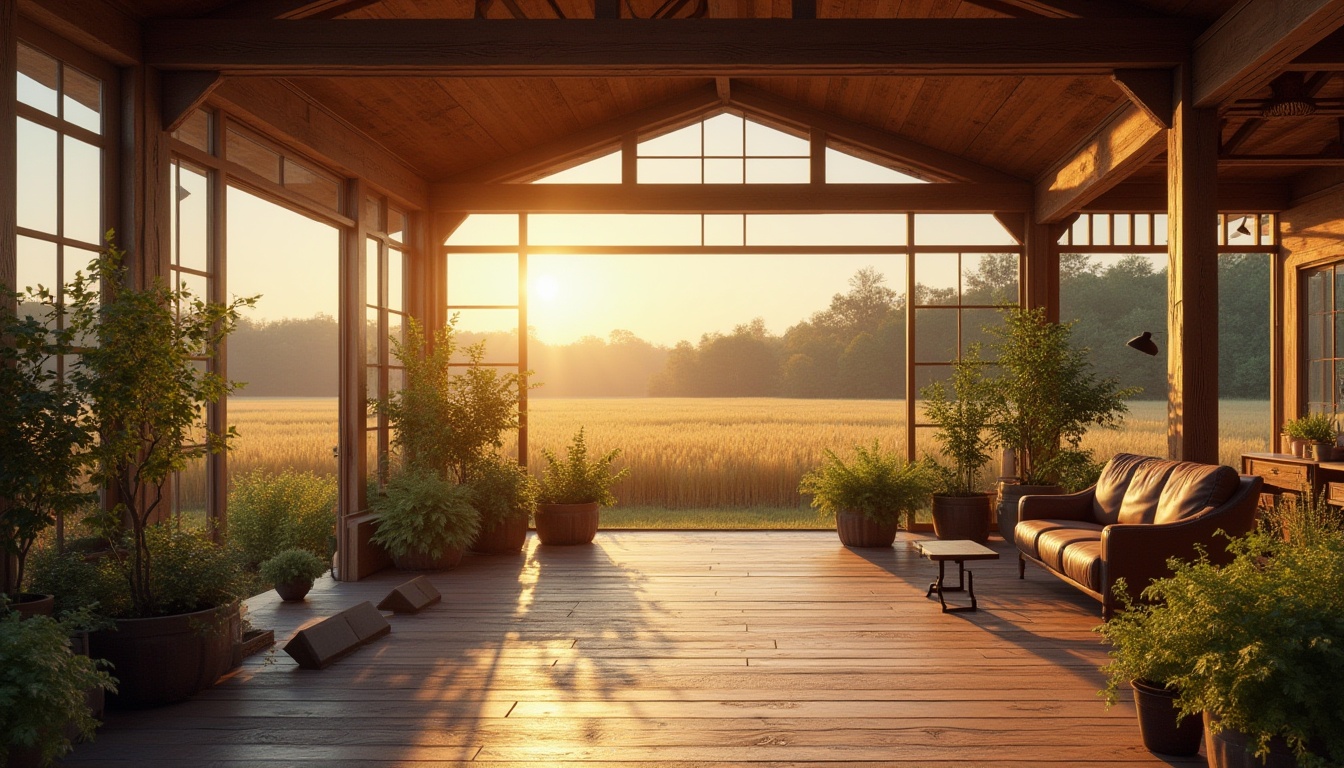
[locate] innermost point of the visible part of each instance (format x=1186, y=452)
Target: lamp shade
x=1144, y=343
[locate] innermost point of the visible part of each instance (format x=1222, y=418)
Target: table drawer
x=1280, y=475
x=1334, y=494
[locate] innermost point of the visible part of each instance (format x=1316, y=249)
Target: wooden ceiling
x=444, y=127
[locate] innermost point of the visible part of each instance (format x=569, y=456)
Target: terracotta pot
x=1229, y=749
x=856, y=530
x=30, y=604
x=1162, y=731
x=505, y=538
x=962, y=517
x=1320, y=451
x=423, y=561
x=293, y=591
x=1010, y=494
x=567, y=524
x=167, y=658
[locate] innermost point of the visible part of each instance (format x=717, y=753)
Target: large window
x=1324, y=290
x=385, y=263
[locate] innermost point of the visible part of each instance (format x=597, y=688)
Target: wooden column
x=145, y=196
x=9, y=161
x=352, y=527
x=1192, y=279
x=1040, y=260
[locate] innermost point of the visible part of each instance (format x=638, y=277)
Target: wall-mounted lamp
x=1144, y=343
x=1242, y=229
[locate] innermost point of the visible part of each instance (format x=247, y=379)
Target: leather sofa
x=1142, y=511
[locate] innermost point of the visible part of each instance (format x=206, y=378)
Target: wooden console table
x=1285, y=473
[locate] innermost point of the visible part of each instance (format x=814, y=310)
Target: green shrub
x=191, y=572
x=577, y=480
x=877, y=483
x=269, y=513
x=292, y=565
x=42, y=687
x=419, y=512
x=501, y=490
x=76, y=582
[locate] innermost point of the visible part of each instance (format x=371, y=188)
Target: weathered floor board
x=677, y=650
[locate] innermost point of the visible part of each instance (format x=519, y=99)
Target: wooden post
x=146, y=198
x=1192, y=279
x=9, y=195
x=522, y=338
x=353, y=464
x=1040, y=268
x=218, y=463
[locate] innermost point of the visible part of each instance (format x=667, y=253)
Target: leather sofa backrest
x=1111, y=486
x=1145, y=491
x=1191, y=488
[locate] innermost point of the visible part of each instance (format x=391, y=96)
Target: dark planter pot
x=167, y=658
x=294, y=591
x=1161, y=730
x=505, y=538
x=1009, y=496
x=30, y=604
x=856, y=530
x=962, y=517
x=423, y=561
x=567, y=524
x=1229, y=749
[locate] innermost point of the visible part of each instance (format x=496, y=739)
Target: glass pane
x=195, y=130
x=684, y=142
x=1080, y=233
x=315, y=186
x=989, y=278
x=396, y=378
x=396, y=331
x=1316, y=389
x=396, y=225
x=1101, y=233
x=776, y=171
x=723, y=136
x=193, y=204
x=83, y=102
x=844, y=168
x=973, y=324
x=37, y=266
x=253, y=156
x=486, y=229
x=83, y=191
x=1159, y=228
x=962, y=229
x=926, y=375
x=826, y=229
x=37, y=80
x=1123, y=235
x=192, y=494
x=614, y=229
x=373, y=335
x=371, y=385
x=487, y=278
x=36, y=177
x=723, y=171
x=197, y=285
x=498, y=328
x=935, y=335
x=763, y=140
x=668, y=171
x=1317, y=291
x=602, y=170
x=1337, y=304
x=374, y=463
x=373, y=295
x=936, y=277
x=396, y=282
x=724, y=229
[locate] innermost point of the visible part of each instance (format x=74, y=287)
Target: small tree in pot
x=572, y=493
x=505, y=495
x=868, y=495
x=961, y=510
x=293, y=572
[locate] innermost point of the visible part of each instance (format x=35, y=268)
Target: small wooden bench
x=958, y=551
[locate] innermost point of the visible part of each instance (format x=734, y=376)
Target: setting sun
x=546, y=288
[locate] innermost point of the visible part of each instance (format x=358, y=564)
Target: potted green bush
x=1045, y=396
x=572, y=493
x=961, y=509
x=505, y=496
x=425, y=521
x=1319, y=432
x=44, y=690
x=42, y=438
x=1254, y=645
x=293, y=572
x=143, y=394
x=867, y=495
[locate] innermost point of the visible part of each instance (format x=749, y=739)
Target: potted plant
x=43, y=690
x=143, y=394
x=505, y=496
x=42, y=439
x=292, y=572
x=1319, y=432
x=1045, y=396
x=572, y=492
x=868, y=495
x=1297, y=442
x=1254, y=644
x=425, y=521
x=961, y=510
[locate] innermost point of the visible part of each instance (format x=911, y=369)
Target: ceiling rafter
x=1066, y=9
x=1253, y=42
x=288, y=9
x=1122, y=144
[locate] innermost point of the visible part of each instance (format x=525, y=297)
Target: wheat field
x=697, y=453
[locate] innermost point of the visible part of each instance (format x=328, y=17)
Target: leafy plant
x=419, y=512
x=576, y=480
x=144, y=394
x=1317, y=428
x=42, y=438
x=272, y=512
x=1255, y=642
x=1293, y=428
x=1046, y=395
x=293, y=565
x=76, y=582
x=501, y=490
x=42, y=687
x=877, y=483
x=961, y=417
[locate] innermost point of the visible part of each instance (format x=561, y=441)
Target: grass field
x=702, y=462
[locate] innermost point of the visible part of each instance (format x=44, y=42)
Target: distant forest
x=855, y=348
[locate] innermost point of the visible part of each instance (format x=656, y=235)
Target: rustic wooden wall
x=1311, y=234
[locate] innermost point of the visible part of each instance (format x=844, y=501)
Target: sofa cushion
x=1145, y=489
x=1111, y=486
x=1194, y=487
x=1051, y=545
x=1082, y=563
x=1027, y=533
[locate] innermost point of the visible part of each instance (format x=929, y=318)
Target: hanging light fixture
x=1144, y=343
x=1289, y=97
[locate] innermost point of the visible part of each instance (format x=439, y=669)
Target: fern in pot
x=425, y=521
x=868, y=494
x=573, y=490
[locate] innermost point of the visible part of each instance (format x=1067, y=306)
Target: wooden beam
x=804, y=9
x=1243, y=132
x=283, y=110
x=1233, y=197
x=1126, y=141
x=1016, y=223
x=1192, y=281
x=288, y=9
x=1253, y=42
x=1281, y=161
x=1068, y=9
x=591, y=142
x=920, y=160
x=1040, y=268
x=146, y=202
x=1149, y=90
x=183, y=92
x=606, y=9
x=729, y=198
x=95, y=25
x=1325, y=56
x=353, y=547
x=9, y=158
x=698, y=47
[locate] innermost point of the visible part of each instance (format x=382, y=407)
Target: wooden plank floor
x=670, y=649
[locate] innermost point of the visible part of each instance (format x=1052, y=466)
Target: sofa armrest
x=1071, y=506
